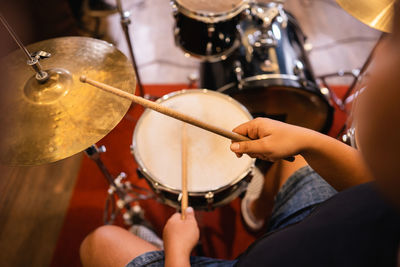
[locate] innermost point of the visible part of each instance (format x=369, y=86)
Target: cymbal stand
x=125, y=193
x=33, y=59
x=356, y=74
x=125, y=22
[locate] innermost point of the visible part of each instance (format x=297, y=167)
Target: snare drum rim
x=210, y=17
x=147, y=173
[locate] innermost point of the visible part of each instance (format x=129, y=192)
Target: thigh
x=112, y=246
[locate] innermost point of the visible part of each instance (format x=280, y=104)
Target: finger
x=175, y=215
x=254, y=147
x=239, y=155
x=251, y=128
x=190, y=213
x=242, y=128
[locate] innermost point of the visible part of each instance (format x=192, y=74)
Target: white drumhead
x=211, y=165
x=211, y=6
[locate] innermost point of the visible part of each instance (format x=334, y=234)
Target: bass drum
x=271, y=75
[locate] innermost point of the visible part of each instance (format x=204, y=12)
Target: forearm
x=339, y=164
x=176, y=257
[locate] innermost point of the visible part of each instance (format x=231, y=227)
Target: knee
x=96, y=243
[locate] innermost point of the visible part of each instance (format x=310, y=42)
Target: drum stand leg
x=120, y=190
x=125, y=21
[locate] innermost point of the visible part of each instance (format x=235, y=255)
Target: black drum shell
x=195, y=37
x=282, y=74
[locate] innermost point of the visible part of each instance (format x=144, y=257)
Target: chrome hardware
x=209, y=197
x=102, y=149
x=239, y=73
x=210, y=30
x=157, y=188
x=269, y=66
x=41, y=55
x=349, y=137
x=298, y=67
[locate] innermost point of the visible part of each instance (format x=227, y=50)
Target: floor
x=33, y=200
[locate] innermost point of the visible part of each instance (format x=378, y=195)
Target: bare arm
x=340, y=165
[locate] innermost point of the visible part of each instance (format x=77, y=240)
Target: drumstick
x=169, y=112
x=184, y=201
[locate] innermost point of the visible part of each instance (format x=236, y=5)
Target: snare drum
x=215, y=175
x=207, y=29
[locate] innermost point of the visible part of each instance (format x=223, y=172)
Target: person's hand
x=273, y=140
x=180, y=236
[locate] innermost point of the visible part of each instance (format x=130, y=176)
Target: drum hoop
x=318, y=93
x=209, y=17
x=271, y=76
x=211, y=58
x=261, y=77
x=148, y=174
x=162, y=187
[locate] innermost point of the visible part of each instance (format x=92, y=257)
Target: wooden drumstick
x=169, y=112
x=184, y=200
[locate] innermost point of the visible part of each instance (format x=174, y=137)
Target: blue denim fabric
x=301, y=193
x=298, y=197
x=156, y=259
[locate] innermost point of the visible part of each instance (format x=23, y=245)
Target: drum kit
x=254, y=63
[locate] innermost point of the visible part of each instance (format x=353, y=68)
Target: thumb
x=254, y=146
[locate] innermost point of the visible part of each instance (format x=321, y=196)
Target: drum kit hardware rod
x=125, y=21
x=33, y=59
x=122, y=190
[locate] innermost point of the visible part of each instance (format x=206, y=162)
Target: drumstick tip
x=82, y=78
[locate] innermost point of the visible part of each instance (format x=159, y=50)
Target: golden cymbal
x=43, y=123
x=377, y=14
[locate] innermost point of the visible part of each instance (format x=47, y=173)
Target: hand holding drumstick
x=181, y=232
x=234, y=136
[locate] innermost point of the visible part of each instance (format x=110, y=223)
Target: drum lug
x=210, y=29
x=239, y=74
x=174, y=8
x=157, y=188
x=298, y=67
x=209, y=197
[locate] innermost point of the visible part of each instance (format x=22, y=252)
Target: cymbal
x=42, y=123
x=377, y=14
